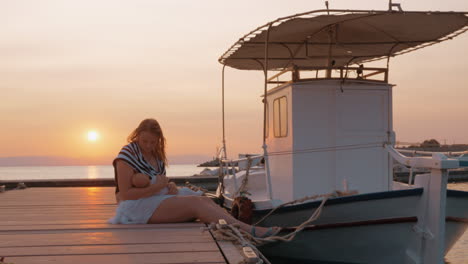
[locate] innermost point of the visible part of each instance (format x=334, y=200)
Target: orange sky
x=67, y=67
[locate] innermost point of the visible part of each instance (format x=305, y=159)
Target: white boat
x=328, y=129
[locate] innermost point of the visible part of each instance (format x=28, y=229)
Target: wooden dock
x=69, y=225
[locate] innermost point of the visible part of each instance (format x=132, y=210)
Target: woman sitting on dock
x=160, y=201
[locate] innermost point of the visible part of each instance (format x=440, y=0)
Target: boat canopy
x=338, y=38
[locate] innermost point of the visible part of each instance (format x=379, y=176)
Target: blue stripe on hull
x=455, y=193
x=351, y=199
x=364, y=197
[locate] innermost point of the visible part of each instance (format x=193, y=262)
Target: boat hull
x=369, y=228
x=382, y=243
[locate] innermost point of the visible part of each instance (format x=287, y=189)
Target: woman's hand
x=172, y=188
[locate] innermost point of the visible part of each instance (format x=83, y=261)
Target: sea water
x=82, y=172
x=459, y=252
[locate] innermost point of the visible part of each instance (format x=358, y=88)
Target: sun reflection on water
x=93, y=172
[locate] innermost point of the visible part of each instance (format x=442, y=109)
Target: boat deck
x=68, y=225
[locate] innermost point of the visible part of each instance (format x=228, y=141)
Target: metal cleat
x=250, y=255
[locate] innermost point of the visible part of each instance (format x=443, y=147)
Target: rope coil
x=301, y=200
x=232, y=232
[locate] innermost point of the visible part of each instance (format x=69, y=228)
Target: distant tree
x=431, y=143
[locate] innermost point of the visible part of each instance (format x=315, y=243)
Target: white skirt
x=140, y=211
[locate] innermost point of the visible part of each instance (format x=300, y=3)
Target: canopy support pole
x=331, y=33
x=222, y=102
x=265, y=151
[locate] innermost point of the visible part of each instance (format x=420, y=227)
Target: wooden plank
x=22, y=208
x=26, y=210
x=52, y=210
x=108, y=249
x=43, y=217
x=69, y=207
x=100, y=221
x=50, y=238
x=6, y=213
x=73, y=190
x=91, y=228
x=51, y=222
x=53, y=201
x=59, y=196
x=58, y=211
x=118, y=228
x=232, y=253
x=151, y=258
x=34, y=209
x=34, y=227
x=72, y=227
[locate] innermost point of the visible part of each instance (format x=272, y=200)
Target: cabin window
x=280, y=117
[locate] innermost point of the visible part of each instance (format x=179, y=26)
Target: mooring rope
x=229, y=234
x=232, y=232
x=246, y=178
x=306, y=198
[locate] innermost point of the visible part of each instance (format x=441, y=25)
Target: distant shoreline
x=210, y=163
x=438, y=148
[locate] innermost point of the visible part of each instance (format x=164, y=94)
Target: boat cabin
x=327, y=134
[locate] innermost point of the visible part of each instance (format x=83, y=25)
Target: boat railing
x=432, y=210
x=429, y=153
x=462, y=159
x=301, y=74
x=437, y=160
x=243, y=163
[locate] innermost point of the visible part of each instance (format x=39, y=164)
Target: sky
x=70, y=67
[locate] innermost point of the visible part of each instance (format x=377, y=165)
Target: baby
x=141, y=180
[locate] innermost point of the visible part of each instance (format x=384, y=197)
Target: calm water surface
x=81, y=172
x=459, y=253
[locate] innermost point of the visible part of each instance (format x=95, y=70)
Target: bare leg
x=188, y=208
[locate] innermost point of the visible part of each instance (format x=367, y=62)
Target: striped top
x=132, y=155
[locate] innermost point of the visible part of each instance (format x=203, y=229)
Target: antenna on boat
x=326, y=4
x=391, y=5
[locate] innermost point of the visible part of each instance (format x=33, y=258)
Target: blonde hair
x=152, y=126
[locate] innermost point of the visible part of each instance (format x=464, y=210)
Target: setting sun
x=93, y=136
